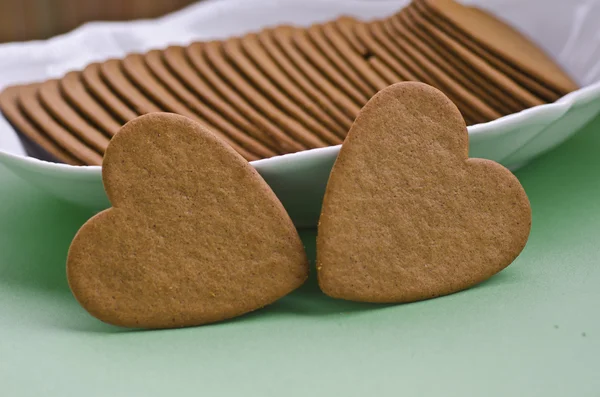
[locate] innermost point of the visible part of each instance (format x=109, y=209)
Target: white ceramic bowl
x=567, y=29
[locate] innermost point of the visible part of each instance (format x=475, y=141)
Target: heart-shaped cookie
x=194, y=236
x=406, y=214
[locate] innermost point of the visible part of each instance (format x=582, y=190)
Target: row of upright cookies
x=286, y=89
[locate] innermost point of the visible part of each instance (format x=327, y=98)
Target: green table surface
x=532, y=330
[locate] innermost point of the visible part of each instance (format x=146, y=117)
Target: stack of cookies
x=287, y=89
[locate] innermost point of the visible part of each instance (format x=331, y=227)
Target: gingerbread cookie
x=479, y=87
x=402, y=67
x=350, y=57
x=311, y=51
x=396, y=57
x=282, y=36
x=320, y=99
x=447, y=83
x=52, y=100
x=237, y=57
x=213, y=52
x=153, y=60
x=135, y=67
x=333, y=53
x=506, y=48
x=405, y=55
x=196, y=54
x=267, y=65
x=194, y=236
x=31, y=107
x=406, y=214
x=75, y=93
x=12, y=112
x=514, y=94
x=97, y=86
x=112, y=72
x=469, y=76
x=345, y=25
x=175, y=62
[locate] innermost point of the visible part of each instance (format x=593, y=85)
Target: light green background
x=532, y=330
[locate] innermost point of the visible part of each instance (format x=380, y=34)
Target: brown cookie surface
x=112, y=72
x=444, y=81
x=401, y=67
x=104, y=94
x=77, y=95
x=288, y=85
x=290, y=126
x=333, y=53
x=11, y=110
x=135, y=67
x=208, y=102
x=397, y=57
x=239, y=59
x=406, y=214
x=283, y=37
x=196, y=54
x=351, y=57
x=402, y=52
x=340, y=33
x=51, y=98
x=514, y=94
x=320, y=98
x=194, y=235
x=505, y=47
x=310, y=51
x=462, y=72
x=345, y=24
x=29, y=103
x=468, y=74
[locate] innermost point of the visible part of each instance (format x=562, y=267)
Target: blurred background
x=22, y=20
